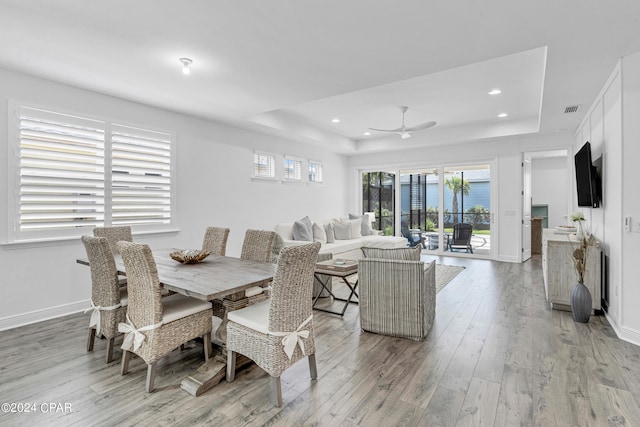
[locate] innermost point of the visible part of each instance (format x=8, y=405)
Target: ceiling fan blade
x=422, y=126
x=387, y=130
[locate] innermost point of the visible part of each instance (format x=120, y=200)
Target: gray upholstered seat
x=397, y=297
x=257, y=331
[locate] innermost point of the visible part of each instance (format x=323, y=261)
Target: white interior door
x=526, y=207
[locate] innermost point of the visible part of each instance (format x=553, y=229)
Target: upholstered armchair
x=397, y=297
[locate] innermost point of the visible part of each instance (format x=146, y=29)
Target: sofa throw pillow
x=365, y=227
x=342, y=231
x=319, y=235
x=402, y=254
x=355, y=226
x=302, y=230
x=328, y=229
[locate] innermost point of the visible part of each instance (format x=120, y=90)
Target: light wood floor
x=497, y=355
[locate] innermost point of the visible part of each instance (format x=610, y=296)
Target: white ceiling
x=288, y=67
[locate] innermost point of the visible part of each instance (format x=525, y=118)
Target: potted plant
x=580, y=295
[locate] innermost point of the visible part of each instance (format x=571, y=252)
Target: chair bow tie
x=95, y=314
x=290, y=339
x=134, y=337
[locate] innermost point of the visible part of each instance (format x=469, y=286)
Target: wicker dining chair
x=155, y=326
x=215, y=240
x=114, y=235
x=258, y=245
x=259, y=331
x=108, y=300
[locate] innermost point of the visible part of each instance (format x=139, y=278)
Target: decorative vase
x=580, y=303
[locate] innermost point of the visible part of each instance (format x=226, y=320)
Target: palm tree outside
x=457, y=185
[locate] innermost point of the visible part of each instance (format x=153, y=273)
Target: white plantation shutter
x=141, y=176
x=68, y=174
x=293, y=169
x=61, y=171
x=315, y=171
x=264, y=165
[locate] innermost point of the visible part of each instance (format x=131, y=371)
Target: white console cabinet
x=559, y=272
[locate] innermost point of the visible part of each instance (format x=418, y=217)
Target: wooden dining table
x=213, y=278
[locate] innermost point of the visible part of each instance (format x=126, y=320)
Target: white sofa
x=348, y=249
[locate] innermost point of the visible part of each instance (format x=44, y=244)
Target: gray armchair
x=397, y=297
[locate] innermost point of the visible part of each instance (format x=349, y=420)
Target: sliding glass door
x=378, y=198
x=434, y=201
x=467, y=200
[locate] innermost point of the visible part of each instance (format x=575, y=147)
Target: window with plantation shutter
x=140, y=176
x=292, y=169
x=61, y=163
x=68, y=174
x=264, y=166
x=315, y=172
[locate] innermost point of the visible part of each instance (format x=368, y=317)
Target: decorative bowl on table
x=189, y=256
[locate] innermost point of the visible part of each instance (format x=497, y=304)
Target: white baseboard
x=23, y=319
x=629, y=335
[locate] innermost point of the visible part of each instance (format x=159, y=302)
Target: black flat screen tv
x=586, y=178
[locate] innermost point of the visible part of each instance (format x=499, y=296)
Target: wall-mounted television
x=587, y=178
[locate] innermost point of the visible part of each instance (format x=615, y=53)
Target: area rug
x=445, y=274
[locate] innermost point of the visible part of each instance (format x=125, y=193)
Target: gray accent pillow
x=319, y=235
x=403, y=254
x=342, y=231
x=328, y=228
x=302, y=231
x=365, y=227
x=355, y=227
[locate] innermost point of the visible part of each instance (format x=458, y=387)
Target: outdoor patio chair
x=413, y=236
x=461, y=238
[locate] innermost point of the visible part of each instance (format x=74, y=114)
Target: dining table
x=213, y=278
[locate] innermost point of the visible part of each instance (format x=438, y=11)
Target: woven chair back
x=104, y=275
x=258, y=245
x=215, y=240
x=143, y=285
x=114, y=235
x=292, y=287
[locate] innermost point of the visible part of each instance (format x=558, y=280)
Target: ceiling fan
x=404, y=131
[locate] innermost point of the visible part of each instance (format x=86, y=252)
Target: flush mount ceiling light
x=336, y=120
x=186, y=63
x=501, y=115
x=367, y=133
x=495, y=91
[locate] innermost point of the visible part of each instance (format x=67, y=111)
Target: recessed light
x=336, y=120
x=495, y=91
x=501, y=115
x=367, y=133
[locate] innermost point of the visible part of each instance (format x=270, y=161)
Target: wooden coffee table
x=342, y=268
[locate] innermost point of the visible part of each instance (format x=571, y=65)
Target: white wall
x=550, y=179
x=213, y=169
x=506, y=153
x=613, y=128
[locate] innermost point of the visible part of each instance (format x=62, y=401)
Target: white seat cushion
x=177, y=306
x=255, y=316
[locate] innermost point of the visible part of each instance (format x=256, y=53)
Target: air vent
x=571, y=108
